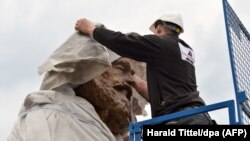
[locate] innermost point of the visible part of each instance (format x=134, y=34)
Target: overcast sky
x=31, y=29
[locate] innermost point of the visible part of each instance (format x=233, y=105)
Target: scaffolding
x=239, y=51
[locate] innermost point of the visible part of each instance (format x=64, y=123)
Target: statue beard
x=109, y=101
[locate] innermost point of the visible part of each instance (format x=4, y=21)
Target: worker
x=171, y=81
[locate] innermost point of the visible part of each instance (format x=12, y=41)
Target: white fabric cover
x=53, y=125
x=75, y=62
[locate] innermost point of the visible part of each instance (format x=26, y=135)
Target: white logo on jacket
x=187, y=54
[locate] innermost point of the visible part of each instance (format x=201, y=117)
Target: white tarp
x=76, y=61
x=55, y=125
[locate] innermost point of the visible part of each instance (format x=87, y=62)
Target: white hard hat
x=172, y=17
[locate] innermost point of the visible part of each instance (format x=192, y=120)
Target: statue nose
x=124, y=88
x=129, y=79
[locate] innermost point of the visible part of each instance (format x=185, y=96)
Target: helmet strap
x=172, y=27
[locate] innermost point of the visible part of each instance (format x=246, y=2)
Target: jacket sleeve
x=141, y=48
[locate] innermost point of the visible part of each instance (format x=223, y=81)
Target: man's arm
x=140, y=86
x=141, y=48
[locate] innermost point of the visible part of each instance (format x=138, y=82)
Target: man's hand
x=140, y=85
x=85, y=26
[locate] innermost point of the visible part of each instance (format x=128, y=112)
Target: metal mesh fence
x=239, y=49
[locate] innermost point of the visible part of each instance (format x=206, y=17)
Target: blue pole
x=231, y=58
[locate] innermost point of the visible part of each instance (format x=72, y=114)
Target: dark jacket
x=170, y=67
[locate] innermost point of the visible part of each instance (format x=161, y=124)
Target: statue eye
x=123, y=66
x=120, y=67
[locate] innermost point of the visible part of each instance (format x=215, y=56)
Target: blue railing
x=136, y=128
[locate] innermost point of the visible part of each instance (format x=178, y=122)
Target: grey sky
x=31, y=29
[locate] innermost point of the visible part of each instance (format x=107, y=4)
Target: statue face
x=120, y=77
x=110, y=94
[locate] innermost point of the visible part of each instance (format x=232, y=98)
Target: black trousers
x=199, y=119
